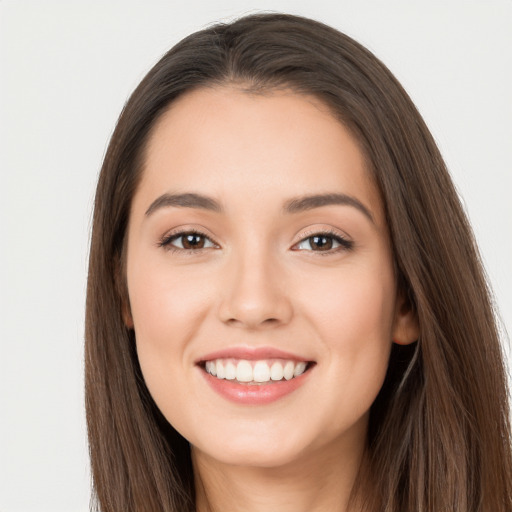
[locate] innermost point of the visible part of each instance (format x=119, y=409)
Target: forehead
x=224, y=142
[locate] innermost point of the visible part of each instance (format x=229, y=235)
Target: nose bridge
x=255, y=294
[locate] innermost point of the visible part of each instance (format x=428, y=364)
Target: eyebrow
x=295, y=205
x=189, y=200
x=305, y=203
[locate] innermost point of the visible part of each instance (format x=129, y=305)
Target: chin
x=262, y=447
x=253, y=456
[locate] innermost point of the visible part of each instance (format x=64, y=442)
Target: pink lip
x=252, y=394
x=250, y=354
x=257, y=394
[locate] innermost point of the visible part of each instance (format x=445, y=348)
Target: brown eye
x=192, y=241
x=321, y=243
x=187, y=241
x=324, y=242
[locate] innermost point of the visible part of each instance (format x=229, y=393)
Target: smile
x=255, y=372
x=249, y=376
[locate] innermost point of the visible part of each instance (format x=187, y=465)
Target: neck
x=322, y=481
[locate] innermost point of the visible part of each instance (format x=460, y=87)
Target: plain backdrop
x=66, y=69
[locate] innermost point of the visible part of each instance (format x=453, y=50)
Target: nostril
x=253, y=322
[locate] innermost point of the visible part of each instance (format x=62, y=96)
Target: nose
x=254, y=293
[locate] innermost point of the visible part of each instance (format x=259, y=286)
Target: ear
x=406, y=329
x=126, y=313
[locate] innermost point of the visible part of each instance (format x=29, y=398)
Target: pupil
x=322, y=242
x=193, y=241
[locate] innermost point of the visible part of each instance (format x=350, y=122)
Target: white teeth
x=254, y=371
x=244, y=372
x=300, y=368
x=276, y=371
x=221, y=373
x=288, y=370
x=230, y=371
x=261, y=372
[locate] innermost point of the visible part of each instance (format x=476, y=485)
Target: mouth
x=255, y=372
x=252, y=376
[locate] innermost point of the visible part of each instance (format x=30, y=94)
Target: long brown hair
x=439, y=434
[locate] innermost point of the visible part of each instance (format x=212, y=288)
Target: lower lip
x=254, y=394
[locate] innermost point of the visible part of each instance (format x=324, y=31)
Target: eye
x=186, y=241
x=324, y=242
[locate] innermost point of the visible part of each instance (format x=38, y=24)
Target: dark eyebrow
x=189, y=200
x=304, y=203
x=296, y=205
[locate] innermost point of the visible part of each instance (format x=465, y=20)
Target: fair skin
x=253, y=276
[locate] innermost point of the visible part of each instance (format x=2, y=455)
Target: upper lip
x=251, y=354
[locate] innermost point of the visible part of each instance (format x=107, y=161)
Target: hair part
x=439, y=435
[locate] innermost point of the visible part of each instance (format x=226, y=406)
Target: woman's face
x=258, y=251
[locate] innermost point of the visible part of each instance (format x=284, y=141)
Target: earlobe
x=126, y=310
x=406, y=328
x=127, y=315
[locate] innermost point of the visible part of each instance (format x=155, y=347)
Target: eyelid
x=346, y=243
x=322, y=230
x=165, y=240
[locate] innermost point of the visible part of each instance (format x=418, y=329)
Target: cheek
x=354, y=318
x=354, y=303
x=163, y=301
x=167, y=309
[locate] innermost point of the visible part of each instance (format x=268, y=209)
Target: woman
x=286, y=307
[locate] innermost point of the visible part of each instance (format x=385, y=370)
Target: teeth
x=221, y=373
x=244, y=371
x=255, y=371
x=211, y=368
x=276, y=371
x=230, y=371
x=288, y=370
x=300, y=368
x=261, y=372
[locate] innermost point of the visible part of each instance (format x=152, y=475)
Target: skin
x=259, y=281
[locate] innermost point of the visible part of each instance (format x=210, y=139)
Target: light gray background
x=67, y=67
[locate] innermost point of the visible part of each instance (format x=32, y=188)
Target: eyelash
x=344, y=244
x=166, y=241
